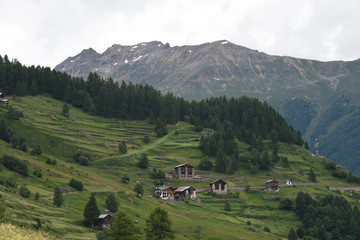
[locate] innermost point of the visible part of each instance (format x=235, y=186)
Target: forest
x=237, y=119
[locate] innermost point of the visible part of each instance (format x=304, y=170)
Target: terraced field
x=60, y=138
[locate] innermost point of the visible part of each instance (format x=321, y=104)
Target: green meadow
x=60, y=138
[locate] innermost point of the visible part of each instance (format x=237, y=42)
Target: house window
x=165, y=194
x=216, y=186
x=222, y=186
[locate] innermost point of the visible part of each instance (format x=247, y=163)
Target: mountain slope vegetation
x=246, y=142
x=318, y=98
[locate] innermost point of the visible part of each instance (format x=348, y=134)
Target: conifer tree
x=2, y=209
x=139, y=189
x=198, y=126
x=158, y=225
x=91, y=212
x=58, y=197
x=122, y=147
x=143, y=162
x=111, y=203
x=65, y=110
x=33, y=88
x=312, y=175
x=160, y=128
x=292, y=235
x=122, y=227
x=4, y=135
x=227, y=206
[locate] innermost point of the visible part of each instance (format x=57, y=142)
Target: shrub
x=125, y=179
x=37, y=173
x=15, y=165
x=286, y=204
x=205, y=164
x=24, y=192
x=266, y=229
x=36, y=150
x=331, y=166
x=14, y=114
x=83, y=160
x=76, y=184
x=146, y=139
x=7, y=182
x=78, y=155
x=340, y=173
x=49, y=161
x=37, y=196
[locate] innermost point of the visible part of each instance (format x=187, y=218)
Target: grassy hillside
x=60, y=138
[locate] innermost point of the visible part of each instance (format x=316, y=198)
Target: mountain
x=321, y=99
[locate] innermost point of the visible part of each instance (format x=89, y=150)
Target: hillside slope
x=319, y=98
x=60, y=138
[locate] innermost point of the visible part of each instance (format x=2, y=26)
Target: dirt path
x=345, y=189
x=73, y=192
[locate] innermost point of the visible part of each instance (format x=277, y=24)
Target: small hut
x=184, y=172
x=186, y=192
x=105, y=220
x=218, y=186
x=272, y=185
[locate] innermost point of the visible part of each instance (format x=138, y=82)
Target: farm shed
x=105, y=220
x=219, y=186
x=184, y=172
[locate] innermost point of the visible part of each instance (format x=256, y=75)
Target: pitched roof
x=218, y=180
x=163, y=188
x=183, y=165
x=103, y=216
x=272, y=181
x=181, y=189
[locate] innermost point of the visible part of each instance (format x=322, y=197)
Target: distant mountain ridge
x=319, y=98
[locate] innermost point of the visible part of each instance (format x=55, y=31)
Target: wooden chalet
x=164, y=193
x=105, y=220
x=184, y=172
x=186, y=192
x=272, y=184
x=218, y=186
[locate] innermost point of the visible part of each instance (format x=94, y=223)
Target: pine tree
x=65, y=110
x=122, y=228
x=139, y=189
x=158, y=225
x=227, y=206
x=111, y=203
x=312, y=175
x=33, y=88
x=160, y=128
x=2, y=209
x=122, y=147
x=58, y=197
x=91, y=212
x=292, y=235
x=198, y=126
x=143, y=162
x=4, y=135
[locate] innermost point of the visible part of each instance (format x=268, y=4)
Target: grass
x=61, y=137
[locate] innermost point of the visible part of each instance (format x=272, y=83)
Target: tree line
x=246, y=118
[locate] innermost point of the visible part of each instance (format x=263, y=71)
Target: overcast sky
x=46, y=32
